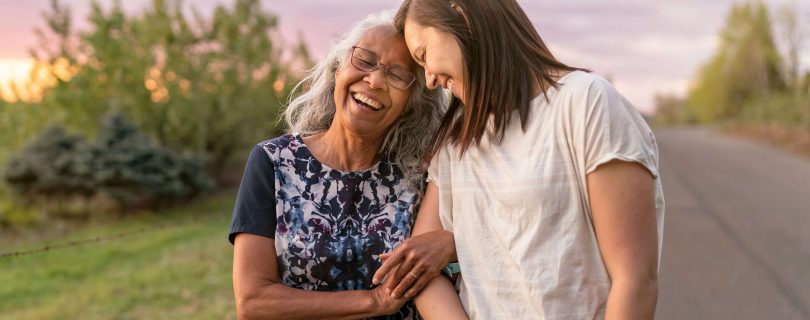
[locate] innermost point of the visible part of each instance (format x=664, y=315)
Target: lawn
x=170, y=265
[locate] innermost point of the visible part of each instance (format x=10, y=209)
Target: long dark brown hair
x=504, y=60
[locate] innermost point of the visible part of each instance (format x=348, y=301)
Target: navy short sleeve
x=255, y=209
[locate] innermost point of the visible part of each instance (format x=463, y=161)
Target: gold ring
x=413, y=275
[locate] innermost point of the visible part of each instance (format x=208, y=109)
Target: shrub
x=123, y=165
x=134, y=171
x=54, y=165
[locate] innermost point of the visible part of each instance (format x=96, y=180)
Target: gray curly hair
x=408, y=138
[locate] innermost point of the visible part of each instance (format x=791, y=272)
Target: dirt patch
x=796, y=140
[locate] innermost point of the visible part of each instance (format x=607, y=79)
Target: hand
x=414, y=263
x=384, y=302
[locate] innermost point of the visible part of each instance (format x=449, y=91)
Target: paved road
x=737, y=229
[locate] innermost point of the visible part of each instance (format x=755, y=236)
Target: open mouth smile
x=366, y=102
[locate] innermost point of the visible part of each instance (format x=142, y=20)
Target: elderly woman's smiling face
x=369, y=102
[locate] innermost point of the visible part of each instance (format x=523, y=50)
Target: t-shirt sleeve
x=433, y=170
x=255, y=209
x=439, y=174
x=615, y=130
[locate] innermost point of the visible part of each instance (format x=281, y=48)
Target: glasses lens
x=366, y=60
x=363, y=59
x=399, y=77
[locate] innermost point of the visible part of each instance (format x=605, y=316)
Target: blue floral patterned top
x=329, y=226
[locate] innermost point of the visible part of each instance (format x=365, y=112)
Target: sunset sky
x=644, y=46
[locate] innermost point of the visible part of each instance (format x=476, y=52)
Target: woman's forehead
x=417, y=36
x=387, y=43
x=382, y=33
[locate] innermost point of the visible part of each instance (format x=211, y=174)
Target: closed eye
x=366, y=64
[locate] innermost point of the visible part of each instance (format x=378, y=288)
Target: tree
x=206, y=86
x=745, y=65
x=671, y=109
x=792, y=37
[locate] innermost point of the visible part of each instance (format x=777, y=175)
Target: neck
x=555, y=77
x=344, y=150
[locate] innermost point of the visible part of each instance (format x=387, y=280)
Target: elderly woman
x=317, y=206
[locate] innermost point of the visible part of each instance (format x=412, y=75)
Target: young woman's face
x=439, y=54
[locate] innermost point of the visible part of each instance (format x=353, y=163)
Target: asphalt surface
x=737, y=229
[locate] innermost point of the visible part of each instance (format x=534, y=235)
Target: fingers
x=418, y=286
x=407, y=264
x=388, y=304
x=392, y=260
x=397, y=276
x=409, y=279
x=389, y=286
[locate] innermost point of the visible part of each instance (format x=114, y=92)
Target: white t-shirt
x=520, y=211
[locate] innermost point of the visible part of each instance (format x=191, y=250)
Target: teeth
x=369, y=101
x=450, y=84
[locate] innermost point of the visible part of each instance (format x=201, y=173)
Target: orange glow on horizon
x=16, y=71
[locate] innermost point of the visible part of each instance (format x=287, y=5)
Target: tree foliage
x=746, y=65
x=206, y=85
x=202, y=85
x=671, y=109
x=792, y=34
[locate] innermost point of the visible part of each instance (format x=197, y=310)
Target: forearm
x=632, y=299
x=439, y=300
x=277, y=301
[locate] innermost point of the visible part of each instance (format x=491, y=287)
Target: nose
x=431, y=80
x=376, y=78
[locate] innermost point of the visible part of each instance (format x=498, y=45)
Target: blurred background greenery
x=749, y=86
x=142, y=121
x=140, y=110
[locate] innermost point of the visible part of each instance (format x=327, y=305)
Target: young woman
x=543, y=178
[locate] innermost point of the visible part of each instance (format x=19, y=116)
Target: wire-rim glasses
x=367, y=61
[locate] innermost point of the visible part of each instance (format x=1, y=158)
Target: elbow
x=251, y=306
x=650, y=288
x=644, y=285
x=246, y=307
x=650, y=283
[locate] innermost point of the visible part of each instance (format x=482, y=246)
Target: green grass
x=181, y=270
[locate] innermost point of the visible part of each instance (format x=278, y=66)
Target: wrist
x=372, y=302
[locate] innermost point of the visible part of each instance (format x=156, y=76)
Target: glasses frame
x=379, y=66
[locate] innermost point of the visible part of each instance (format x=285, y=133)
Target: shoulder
x=287, y=144
x=585, y=85
x=583, y=94
x=443, y=158
x=281, y=142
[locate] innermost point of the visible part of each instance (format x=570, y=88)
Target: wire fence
x=84, y=242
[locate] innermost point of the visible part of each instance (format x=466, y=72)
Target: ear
x=337, y=68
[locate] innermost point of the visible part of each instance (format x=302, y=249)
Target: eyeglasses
x=367, y=61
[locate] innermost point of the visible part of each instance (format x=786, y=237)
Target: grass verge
x=177, y=267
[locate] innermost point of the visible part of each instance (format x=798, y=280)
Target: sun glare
x=14, y=70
